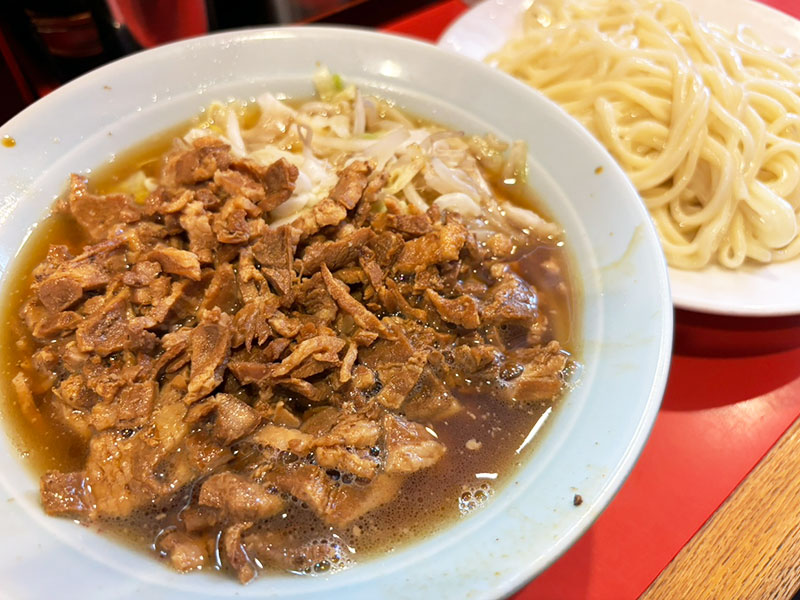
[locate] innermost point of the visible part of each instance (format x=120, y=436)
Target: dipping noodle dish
x=288, y=334
x=705, y=121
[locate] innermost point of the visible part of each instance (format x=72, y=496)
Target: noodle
x=706, y=124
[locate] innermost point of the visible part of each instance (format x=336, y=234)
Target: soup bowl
x=623, y=315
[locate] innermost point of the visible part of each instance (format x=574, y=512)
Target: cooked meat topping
x=99, y=215
x=462, y=311
x=185, y=553
x=352, y=183
x=236, y=371
x=409, y=446
x=238, y=498
x=178, y=262
x=437, y=247
x=210, y=346
x=65, y=494
x=278, y=181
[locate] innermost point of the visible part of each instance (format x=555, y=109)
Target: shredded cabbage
x=424, y=165
x=460, y=203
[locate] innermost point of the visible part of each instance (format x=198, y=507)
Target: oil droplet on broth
x=8, y=141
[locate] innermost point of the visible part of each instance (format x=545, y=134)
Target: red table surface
x=734, y=389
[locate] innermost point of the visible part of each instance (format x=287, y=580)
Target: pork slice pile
x=188, y=343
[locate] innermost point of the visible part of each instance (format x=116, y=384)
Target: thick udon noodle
x=706, y=124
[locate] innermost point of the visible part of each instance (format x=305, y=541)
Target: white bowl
x=597, y=432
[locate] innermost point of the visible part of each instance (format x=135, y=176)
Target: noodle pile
x=706, y=124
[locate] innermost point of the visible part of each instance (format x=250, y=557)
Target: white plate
x=753, y=290
x=625, y=316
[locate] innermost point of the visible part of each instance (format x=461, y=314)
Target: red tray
x=734, y=389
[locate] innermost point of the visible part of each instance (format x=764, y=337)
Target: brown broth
x=431, y=499
x=51, y=447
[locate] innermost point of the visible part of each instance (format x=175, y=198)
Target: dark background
x=45, y=43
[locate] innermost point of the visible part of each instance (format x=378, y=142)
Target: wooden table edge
x=750, y=547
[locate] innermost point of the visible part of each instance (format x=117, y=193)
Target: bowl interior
x=593, y=437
